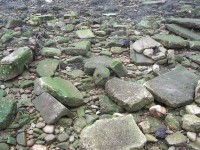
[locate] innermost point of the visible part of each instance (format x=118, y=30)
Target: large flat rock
x=61, y=89
x=193, y=23
x=175, y=88
x=113, y=134
x=128, y=95
x=8, y=108
x=183, y=32
x=13, y=65
x=50, y=108
x=171, y=41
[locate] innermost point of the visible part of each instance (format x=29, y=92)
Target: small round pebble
x=39, y=147
x=192, y=136
x=161, y=133
x=30, y=143
x=40, y=125
x=48, y=129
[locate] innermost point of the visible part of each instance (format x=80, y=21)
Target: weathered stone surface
x=186, y=22
x=4, y=146
x=140, y=59
x=118, y=133
x=107, y=106
x=21, y=139
x=13, y=64
x=79, y=48
x=128, y=95
x=196, y=58
x=176, y=139
x=118, y=67
x=50, y=109
x=47, y=67
x=61, y=89
x=101, y=75
x=153, y=2
x=197, y=93
x=171, y=84
x=8, y=108
x=194, y=145
x=94, y=62
x=39, y=147
x=171, y=41
x=172, y=122
x=144, y=43
x=191, y=123
x=195, y=45
x=85, y=33
x=193, y=110
x=183, y=32
x=50, y=52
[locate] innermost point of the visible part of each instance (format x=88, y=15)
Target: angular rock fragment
x=196, y=58
x=50, y=108
x=193, y=23
x=85, y=33
x=170, y=88
x=101, y=75
x=197, y=93
x=61, y=89
x=8, y=108
x=144, y=43
x=194, y=45
x=171, y=41
x=50, y=52
x=193, y=110
x=107, y=106
x=118, y=133
x=13, y=64
x=47, y=67
x=94, y=62
x=79, y=48
x=191, y=123
x=129, y=95
x=183, y=32
x=176, y=139
x=118, y=67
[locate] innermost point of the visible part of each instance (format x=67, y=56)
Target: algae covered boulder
x=13, y=64
x=63, y=90
x=8, y=109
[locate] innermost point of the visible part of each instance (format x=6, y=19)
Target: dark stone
x=161, y=133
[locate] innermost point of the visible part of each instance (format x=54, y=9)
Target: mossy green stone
x=85, y=33
x=118, y=67
x=101, y=75
x=68, y=28
x=6, y=37
x=50, y=52
x=13, y=64
x=8, y=109
x=4, y=146
x=61, y=89
x=191, y=123
x=47, y=67
x=26, y=83
x=172, y=122
x=195, y=45
x=196, y=58
x=176, y=139
x=171, y=41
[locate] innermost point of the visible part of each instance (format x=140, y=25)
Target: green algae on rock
x=13, y=64
x=61, y=89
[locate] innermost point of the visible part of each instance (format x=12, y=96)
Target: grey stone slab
x=50, y=108
x=113, y=134
x=174, y=88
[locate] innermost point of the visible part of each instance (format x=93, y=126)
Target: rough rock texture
x=144, y=43
x=191, y=123
x=50, y=52
x=171, y=41
x=176, y=139
x=183, y=32
x=8, y=108
x=118, y=133
x=47, y=67
x=197, y=93
x=50, y=109
x=128, y=95
x=85, y=33
x=94, y=62
x=195, y=45
x=61, y=89
x=170, y=88
x=13, y=64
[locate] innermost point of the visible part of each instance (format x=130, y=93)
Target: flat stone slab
x=129, y=95
x=92, y=63
x=171, y=41
x=50, y=52
x=175, y=88
x=191, y=123
x=118, y=134
x=79, y=48
x=47, y=67
x=8, y=108
x=153, y=2
x=193, y=23
x=183, y=32
x=13, y=65
x=144, y=43
x=140, y=59
x=85, y=33
x=195, y=45
x=50, y=108
x=61, y=89
x=196, y=58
